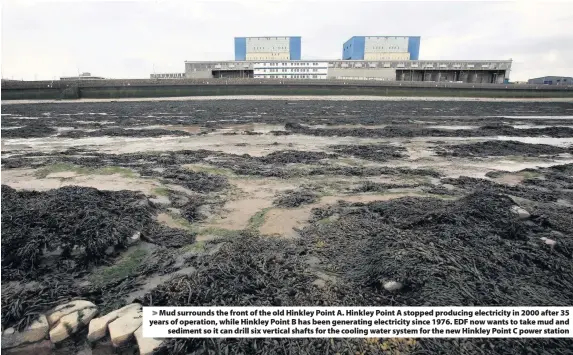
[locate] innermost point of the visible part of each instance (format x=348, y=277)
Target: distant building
x=83, y=76
x=291, y=70
x=167, y=76
x=267, y=48
x=381, y=48
x=467, y=71
x=552, y=80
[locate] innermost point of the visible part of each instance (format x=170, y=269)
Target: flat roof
x=350, y=60
x=267, y=36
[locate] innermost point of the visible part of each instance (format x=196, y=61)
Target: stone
x=136, y=236
x=146, y=345
x=549, y=242
x=71, y=323
x=160, y=201
x=98, y=326
x=43, y=347
x=320, y=283
x=392, y=286
x=35, y=332
x=521, y=213
x=57, y=313
x=121, y=330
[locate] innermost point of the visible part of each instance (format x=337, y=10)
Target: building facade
x=290, y=70
x=552, y=80
x=381, y=48
x=167, y=76
x=267, y=48
x=489, y=71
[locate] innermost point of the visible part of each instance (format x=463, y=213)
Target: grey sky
x=129, y=39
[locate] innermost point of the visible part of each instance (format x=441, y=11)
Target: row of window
x=290, y=70
x=294, y=64
x=289, y=76
x=273, y=49
x=391, y=47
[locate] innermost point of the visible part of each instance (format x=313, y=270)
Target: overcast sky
x=132, y=39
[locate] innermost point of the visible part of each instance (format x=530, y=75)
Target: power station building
x=391, y=58
x=467, y=71
x=267, y=48
x=381, y=48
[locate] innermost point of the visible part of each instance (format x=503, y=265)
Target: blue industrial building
x=268, y=48
x=381, y=48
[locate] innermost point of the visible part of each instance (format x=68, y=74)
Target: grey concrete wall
x=378, y=73
x=267, y=82
x=199, y=74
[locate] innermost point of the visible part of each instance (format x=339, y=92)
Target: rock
x=160, y=201
x=320, y=283
x=392, y=286
x=98, y=326
x=121, y=330
x=35, y=332
x=43, y=347
x=146, y=345
x=57, y=313
x=521, y=213
x=71, y=323
x=549, y=242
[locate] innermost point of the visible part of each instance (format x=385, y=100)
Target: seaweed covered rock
x=75, y=223
x=499, y=148
x=252, y=271
x=465, y=252
x=196, y=181
x=122, y=132
x=32, y=130
x=296, y=198
x=375, y=152
x=294, y=156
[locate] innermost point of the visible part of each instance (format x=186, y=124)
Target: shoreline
x=292, y=98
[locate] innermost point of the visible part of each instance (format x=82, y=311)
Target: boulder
x=160, y=201
x=392, y=286
x=57, y=313
x=71, y=323
x=121, y=330
x=35, y=332
x=98, y=326
x=521, y=213
x=549, y=242
x=146, y=345
x=43, y=347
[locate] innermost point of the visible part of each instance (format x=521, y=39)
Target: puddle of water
x=561, y=142
x=453, y=127
x=539, y=117
x=526, y=126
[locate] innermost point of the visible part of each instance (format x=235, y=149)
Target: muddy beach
x=283, y=203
